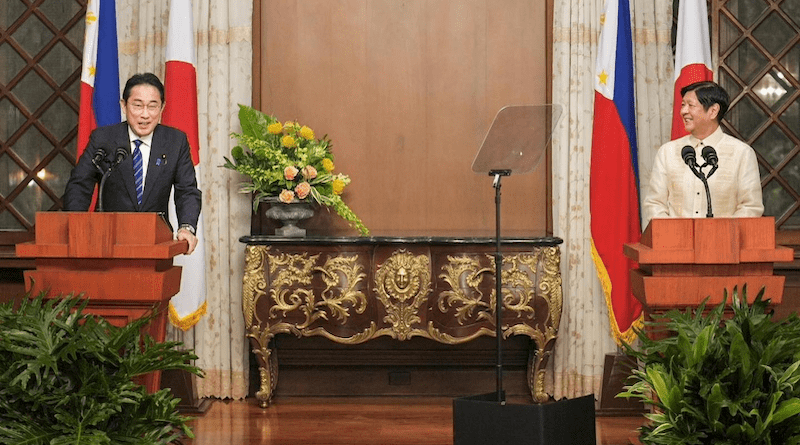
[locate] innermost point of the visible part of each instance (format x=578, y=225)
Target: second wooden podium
x=683, y=261
x=121, y=262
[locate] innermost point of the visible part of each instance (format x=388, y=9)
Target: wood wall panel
x=407, y=90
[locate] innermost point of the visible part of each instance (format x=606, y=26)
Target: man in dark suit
x=159, y=154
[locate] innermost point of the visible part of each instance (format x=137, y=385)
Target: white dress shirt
x=675, y=192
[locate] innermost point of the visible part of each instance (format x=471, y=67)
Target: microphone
x=99, y=156
x=710, y=155
x=119, y=156
x=690, y=158
x=687, y=153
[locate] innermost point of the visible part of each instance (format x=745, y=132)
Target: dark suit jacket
x=170, y=165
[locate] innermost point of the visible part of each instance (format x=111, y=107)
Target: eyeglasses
x=138, y=107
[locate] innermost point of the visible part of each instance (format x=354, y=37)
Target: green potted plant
x=66, y=378
x=286, y=163
x=720, y=379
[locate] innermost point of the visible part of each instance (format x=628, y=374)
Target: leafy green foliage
x=66, y=378
x=720, y=381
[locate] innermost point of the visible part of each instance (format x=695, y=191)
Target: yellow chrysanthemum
x=327, y=164
x=276, y=128
x=307, y=133
x=338, y=186
x=290, y=126
x=288, y=141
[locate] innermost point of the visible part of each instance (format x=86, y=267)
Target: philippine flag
x=180, y=111
x=692, y=55
x=99, y=101
x=613, y=183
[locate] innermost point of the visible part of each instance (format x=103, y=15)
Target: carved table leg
x=267, y=364
x=545, y=334
x=537, y=363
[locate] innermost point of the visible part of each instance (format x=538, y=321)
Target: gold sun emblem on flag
x=603, y=77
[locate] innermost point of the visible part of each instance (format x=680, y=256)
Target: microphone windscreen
x=687, y=153
x=121, y=154
x=710, y=155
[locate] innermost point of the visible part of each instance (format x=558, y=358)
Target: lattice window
x=757, y=43
x=40, y=64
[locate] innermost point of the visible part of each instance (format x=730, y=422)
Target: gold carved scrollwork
x=519, y=288
x=268, y=361
x=402, y=286
x=337, y=273
x=290, y=276
x=463, y=273
x=298, y=304
x=526, y=277
x=341, y=276
x=254, y=282
x=550, y=283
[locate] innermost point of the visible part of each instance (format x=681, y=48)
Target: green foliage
x=288, y=162
x=66, y=378
x=720, y=381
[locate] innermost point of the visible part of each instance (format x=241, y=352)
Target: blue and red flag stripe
x=613, y=184
x=99, y=101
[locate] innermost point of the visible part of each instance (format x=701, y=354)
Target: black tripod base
x=481, y=419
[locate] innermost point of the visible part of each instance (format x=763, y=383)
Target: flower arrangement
x=286, y=161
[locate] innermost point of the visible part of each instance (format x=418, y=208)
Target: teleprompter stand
x=515, y=144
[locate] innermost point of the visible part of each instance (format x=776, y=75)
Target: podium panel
x=120, y=262
x=683, y=261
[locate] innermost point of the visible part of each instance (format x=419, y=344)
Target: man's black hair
x=142, y=79
x=709, y=93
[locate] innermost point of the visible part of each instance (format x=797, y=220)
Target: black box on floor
x=481, y=420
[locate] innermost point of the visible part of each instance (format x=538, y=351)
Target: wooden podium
x=683, y=261
x=122, y=262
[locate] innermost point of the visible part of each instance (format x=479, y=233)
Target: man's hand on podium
x=186, y=234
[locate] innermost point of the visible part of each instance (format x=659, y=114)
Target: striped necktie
x=138, y=171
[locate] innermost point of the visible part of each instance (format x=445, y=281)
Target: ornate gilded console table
x=354, y=289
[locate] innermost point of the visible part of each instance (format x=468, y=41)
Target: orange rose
x=286, y=196
x=290, y=172
x=309, y=172
x=302, y=190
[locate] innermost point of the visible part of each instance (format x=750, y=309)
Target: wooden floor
x=352, y=421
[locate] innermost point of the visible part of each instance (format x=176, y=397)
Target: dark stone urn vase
x=288, y=215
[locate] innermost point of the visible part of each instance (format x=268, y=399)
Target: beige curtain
x=584, y=336
x=223, y=39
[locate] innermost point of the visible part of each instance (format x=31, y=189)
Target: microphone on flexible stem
x=99, y=156
x=710, y=155
x=690, y=158
x=119, y=156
